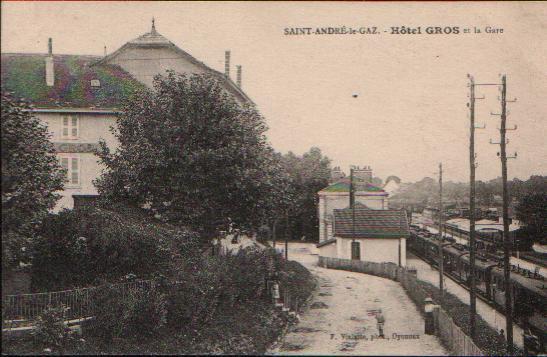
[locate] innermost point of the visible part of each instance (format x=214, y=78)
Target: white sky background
x=411, y=111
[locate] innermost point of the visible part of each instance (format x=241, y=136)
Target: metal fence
x=445, y=328
x=27, y=307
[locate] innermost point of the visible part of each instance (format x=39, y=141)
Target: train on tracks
x=529, y=290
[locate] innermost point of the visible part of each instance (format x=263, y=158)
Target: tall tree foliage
x=30, y=177
x=307, y=174
x=192, y=153
x=488, y=193
x=532, y=211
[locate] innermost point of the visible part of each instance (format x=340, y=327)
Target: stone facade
x=377, y=250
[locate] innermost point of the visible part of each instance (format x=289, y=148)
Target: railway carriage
x=483, y=273
x=527, y=288
x=452, y=259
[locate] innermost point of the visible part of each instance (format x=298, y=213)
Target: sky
x=410, y=112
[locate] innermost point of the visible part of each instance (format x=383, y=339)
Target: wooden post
x=506, y=238
x=441, y=272
x=472, y=166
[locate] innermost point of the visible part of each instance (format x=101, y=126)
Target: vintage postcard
x=274, y=178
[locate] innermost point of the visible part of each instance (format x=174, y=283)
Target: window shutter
x=65, y=127
x=75, y=126
x=75, y=175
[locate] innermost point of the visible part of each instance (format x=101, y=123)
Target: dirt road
x=340, y=319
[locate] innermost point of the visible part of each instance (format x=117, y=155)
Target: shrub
x=193, y=301
x=50, y=330
x=297, y=280
x=82, y=247
x=218, y=283
x=145, y=313
x=247, y=273
x=137, y=313
x=107, y=309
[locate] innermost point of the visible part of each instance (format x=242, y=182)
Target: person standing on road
x=380, y=320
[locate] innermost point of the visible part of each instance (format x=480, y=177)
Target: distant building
x=336, y=196
x=78, y=97
x=369, y=235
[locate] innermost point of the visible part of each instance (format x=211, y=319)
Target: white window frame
x=71, y=161
x=70, y=127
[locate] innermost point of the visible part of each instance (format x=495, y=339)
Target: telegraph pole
x=352, y=203
x=472, y=166
x=506, y=238
x=441, y=267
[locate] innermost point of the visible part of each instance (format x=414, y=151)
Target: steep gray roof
x=371, y=223
x=154, y=39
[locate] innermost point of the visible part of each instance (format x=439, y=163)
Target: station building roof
x=370, y=223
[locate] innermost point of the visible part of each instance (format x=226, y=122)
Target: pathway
x=337, y=321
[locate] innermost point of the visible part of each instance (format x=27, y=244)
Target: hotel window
x=71, y=127
x=73, y=167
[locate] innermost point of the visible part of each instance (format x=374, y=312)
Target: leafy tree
x=426, y=191
x=31, y=175
x=532, y=211
x=308, y=174
x=485, y=193
x=193, y=154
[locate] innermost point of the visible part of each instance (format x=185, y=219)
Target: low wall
x=449, y=333
x=384, y=270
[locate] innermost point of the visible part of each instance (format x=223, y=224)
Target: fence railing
x=445, y=328
x=457, y=341
x=27, y=307
x=23, y=309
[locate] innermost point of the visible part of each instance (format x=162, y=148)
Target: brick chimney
x=50, y=73
x=227, y=64
x=336, y=175
x=238, y=80
x=363, y=174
